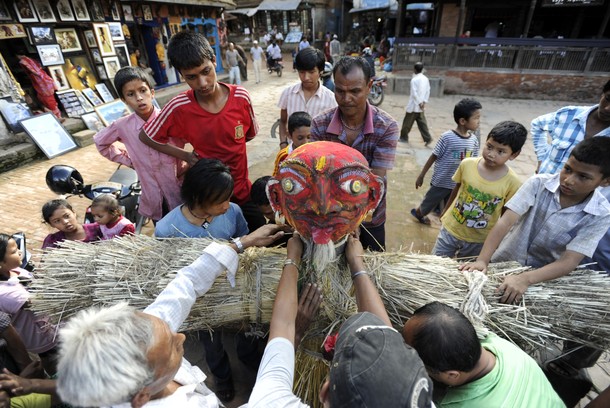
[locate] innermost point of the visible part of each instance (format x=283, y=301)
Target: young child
x=107, y=213
x=553, y=221
x=59, y=214
x=159, y=173
x=259, y=197
x=452, y=147
x=37, y=333
x=299, y=124
x=483, y=186
x=216, y=119
x=208, y=213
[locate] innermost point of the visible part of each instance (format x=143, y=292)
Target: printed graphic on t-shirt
x=239, y=132
x=473, y=207
x=461, y=154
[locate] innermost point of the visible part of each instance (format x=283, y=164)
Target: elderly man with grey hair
x=118, y=356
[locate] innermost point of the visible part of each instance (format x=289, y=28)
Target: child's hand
x=419, y=182
x=513, y=288
x=474, y=266
x=353, y=254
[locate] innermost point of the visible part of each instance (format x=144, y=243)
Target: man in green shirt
x=488, y=373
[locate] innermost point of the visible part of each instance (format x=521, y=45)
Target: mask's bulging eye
x=291, y=186
x=353, y=186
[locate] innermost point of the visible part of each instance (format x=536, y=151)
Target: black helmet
x=62, y=179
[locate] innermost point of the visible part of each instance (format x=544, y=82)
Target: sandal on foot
x=225, y=391
x=424, y=220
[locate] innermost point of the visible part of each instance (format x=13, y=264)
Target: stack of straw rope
x=136, y=269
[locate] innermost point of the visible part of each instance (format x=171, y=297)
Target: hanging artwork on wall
x=68, y=39
x=123, y=55
x=44, y=11
x=90, y=38
x=104, y=42
x=97, y=14
x=80, y=10
x=59, y=76
x=4, y=14
x=116, y=32
x=12, y=31
x=25, y=11
x=112, y=66
x=42, y=35
x=64, y=10
x=50, y=54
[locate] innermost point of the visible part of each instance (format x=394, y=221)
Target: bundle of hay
x=136, y=269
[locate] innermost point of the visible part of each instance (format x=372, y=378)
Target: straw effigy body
x=136, y=269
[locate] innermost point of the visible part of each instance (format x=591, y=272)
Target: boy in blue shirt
x=452, y=147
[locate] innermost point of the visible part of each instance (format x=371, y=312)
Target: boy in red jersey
x=217, y=119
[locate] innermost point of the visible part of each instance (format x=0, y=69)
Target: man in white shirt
x=256, y=54
x=335, y=49
x=308, y=95
x=372, y=366
x=117, y=356
x=420, y=92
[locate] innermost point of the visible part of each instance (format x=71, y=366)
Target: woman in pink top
x=159, y=174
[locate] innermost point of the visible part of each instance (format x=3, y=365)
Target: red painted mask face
x=324, y=190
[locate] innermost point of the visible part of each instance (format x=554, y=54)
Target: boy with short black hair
x=483, y=186
x=553, y=221
x=159, y=173
x=299, y=130
x=452, y=147
x=217, y=119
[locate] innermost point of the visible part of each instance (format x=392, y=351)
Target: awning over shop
x=279, y=4
x=371, y=5
x=420, y=6
x=247, y=11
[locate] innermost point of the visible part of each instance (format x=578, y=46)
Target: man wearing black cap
x=371, y=367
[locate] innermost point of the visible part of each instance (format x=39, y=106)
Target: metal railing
x=504, y=54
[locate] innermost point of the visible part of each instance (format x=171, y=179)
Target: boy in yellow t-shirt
x=483, y=186
x=299, y=124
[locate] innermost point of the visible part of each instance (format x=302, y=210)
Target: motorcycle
x=274, y=65
x=124, y=184
x=376, y=94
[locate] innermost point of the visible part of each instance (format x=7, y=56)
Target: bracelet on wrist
x=284, y=143
x=356, y=274
x=289, y=261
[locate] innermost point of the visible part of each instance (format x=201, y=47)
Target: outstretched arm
x=367, y=296
x=190, y=157
x=420, y=179
x=17, y=386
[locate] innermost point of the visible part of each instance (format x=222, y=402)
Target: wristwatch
x=238, y=244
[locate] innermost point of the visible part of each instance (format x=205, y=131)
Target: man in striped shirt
x=364, y=127
x=216, y=119
x=308, y=95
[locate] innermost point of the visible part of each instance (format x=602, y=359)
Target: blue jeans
x=234, y=75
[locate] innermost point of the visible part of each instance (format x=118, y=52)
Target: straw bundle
x=78, y=275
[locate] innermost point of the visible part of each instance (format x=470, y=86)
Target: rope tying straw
x=474, y=306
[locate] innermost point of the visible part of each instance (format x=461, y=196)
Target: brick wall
x=568, y=87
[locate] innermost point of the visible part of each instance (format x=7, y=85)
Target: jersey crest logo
x=239, y=132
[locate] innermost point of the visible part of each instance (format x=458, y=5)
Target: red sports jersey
x=219, y=136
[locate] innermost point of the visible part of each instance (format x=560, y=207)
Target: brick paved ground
x=24, y=190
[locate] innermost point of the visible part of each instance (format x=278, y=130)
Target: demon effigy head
x=324, y=190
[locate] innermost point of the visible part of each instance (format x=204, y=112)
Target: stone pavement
x=24, y=190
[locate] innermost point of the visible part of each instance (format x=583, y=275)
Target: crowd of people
x=118, y=356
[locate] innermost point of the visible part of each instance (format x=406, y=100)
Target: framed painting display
x=123, y=55
x=102, y=89
x=93, y=121
x=147, y=12
x=71, y=103
x=13, y=112
x=80, y=10
x=116, y=32
x=42, y=35
x=25, y=11
x=64, y=10
x=12, y=31
x=95, y=54
x=114, y=10
x=112, y=66
x=127, y=12
x=50, y=136
x=96, y=12
x=84, y=101
x=101, y=72
x=4, y=14
x=50, y=54
x=79, y=72
x=102, y=37
x=44, y=11
x=68, y=39
x=92, y=96
x=90, y=39
x=109, y=112
x=59, y=76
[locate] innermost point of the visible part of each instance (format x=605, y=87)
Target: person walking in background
x=418, y=98
x=335, y=49
x=42, y=83
x=256, y=53
x=233, y=59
